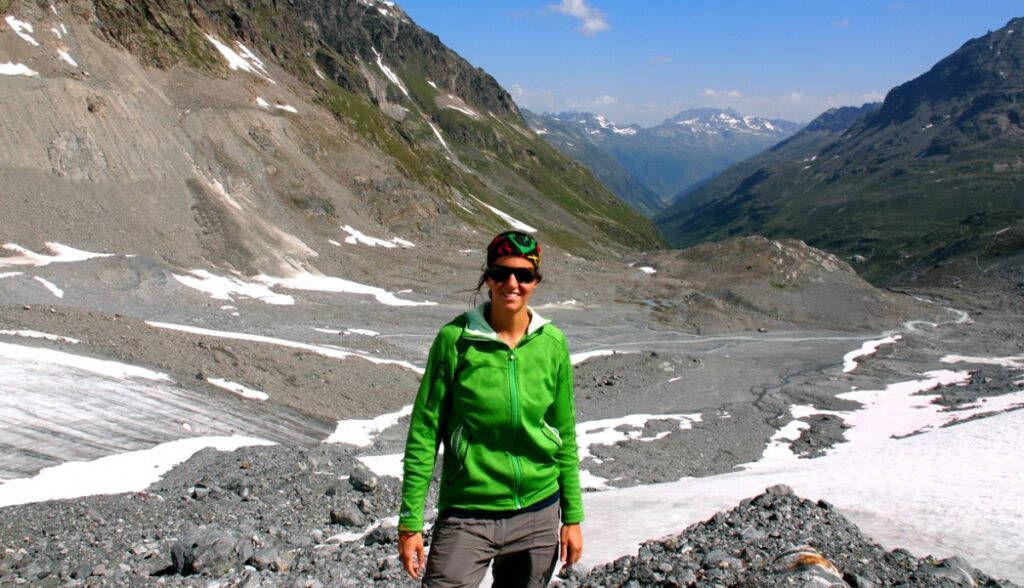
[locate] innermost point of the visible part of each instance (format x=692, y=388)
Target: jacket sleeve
x=564, y=419
x=424, y=433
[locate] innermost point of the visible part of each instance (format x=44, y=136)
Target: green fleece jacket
x=506, y=418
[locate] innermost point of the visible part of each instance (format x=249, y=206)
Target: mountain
x=927, y=187
x=576, y=141
x=667, y=159
x=246, y=135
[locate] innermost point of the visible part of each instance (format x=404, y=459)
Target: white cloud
x=844, y=24
x=661, y=59
x=535, y=100
x=593, y=19
x=723, y=94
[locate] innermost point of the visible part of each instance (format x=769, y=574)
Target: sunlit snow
x=647, y=269
x=61, y=254
x=355, y=236
x=246, y=61
x=38, y=335
x=67, y=57
x=238, y=389
x=440, y=138
x=616, y=430
x=389, y=74
x=22, y=29
x=576, y=358
x=110, y=369
x=286, y=108
x=50, y=286
x=125, y=472
x=516, y=224
x=333, y=352
x=223, y=287
x=361, y=432
x=868, y=348
x=17, y=69
x=1016, y=361
x=262, y=103
x=317, y=283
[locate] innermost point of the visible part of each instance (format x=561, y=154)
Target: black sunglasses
x=501, y=273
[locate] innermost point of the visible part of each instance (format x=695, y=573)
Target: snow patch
x=355, y=237
x=223, y=287
x=868, y=348
x=1016, y=362
x=362, y=432
x=390, y=74
x=385, y=465
x=61, y=254
x=577, y=358
x=286, y=108
x=332, y=352
x=50, y=286
x=110, y=369
x=516, y=224
x=22, y=29
x=239, y=389
x=67, y=57
x=17, y=69
x=125, y=472
x=609, y=432
x=38, y=335
x=647, y=269
x=243, y=59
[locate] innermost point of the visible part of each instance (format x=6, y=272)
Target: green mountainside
x=930, y=184
x=445, y=126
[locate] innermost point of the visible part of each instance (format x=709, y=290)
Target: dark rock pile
x=773, y=540
x=262, y=516
x=299, y=517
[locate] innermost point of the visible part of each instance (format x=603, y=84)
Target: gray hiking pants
x=524, y=549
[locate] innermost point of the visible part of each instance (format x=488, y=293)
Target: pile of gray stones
x=300, y=517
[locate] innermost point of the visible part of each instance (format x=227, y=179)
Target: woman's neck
x=510, y=327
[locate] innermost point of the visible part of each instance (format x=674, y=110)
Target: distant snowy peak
x=595, y=124
x=714, y=121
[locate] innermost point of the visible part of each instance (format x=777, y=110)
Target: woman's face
x=511, y=295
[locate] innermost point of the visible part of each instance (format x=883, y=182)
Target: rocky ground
x=263, y=516
x=286, y=516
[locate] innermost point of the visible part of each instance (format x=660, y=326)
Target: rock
x=804, y=562
x=362, y=479
x=207, y=551
x=269, y=559
x=381, y=535
x=717, y=558
x=954, y=569
x=347, y=515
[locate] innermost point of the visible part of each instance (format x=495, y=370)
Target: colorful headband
x=516, y=244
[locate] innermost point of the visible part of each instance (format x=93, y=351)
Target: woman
x=497, y=392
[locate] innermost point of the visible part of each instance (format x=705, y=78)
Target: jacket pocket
x=552, y=433
x=459, y=442
x=438, y=385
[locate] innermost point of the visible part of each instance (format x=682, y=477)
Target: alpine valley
x=230, y=230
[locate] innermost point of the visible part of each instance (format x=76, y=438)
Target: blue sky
x=642, y=62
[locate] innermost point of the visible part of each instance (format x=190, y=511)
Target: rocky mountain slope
x=245, y=136
x=926, y=188
x=667, y=159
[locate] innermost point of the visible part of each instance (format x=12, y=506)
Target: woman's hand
x=410, y=552
x=572, y=544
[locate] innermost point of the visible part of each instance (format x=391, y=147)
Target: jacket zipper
x=514, y=393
